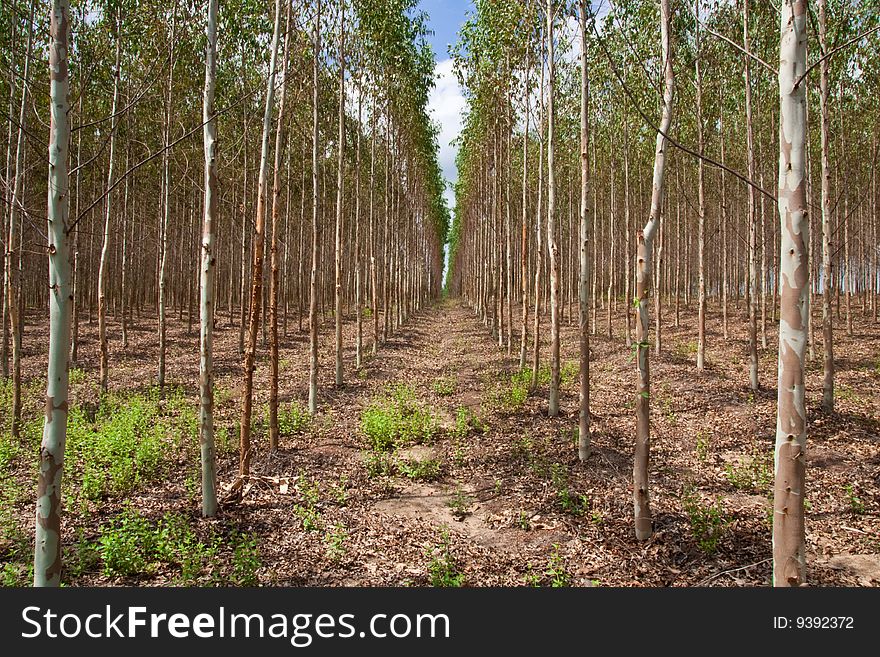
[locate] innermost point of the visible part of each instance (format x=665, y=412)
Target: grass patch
x=131, y=545
x=293, y=418
x=427, y=470
x=568, y=501
x=397, y=419
x=444, y=386
x=466, y=421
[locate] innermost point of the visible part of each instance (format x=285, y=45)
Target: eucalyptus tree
x=827, y=273
x=108, y=208
x=644, y=253
x=13, y=236
x=340, y=191
x=313, y=275
x=584, y=271
x=207, y=306
x=552, y=247
x=257, y=266
x=280, y=142
x=791, y=418
x=752, y=290
x=47, y=550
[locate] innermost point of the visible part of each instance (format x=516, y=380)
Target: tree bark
x=105, y=246
x=789, y=567
x=340, y=182
x=206, y=279
x=280, y=141
x=313, y=277
x=47, y=552
x=552, y=248
x=644, y=249
x=584, y=271
x=244, y=464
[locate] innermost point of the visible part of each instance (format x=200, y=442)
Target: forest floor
x=432, y=464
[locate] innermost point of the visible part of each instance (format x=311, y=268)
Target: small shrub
x=523, y=447
x=443, y=569
x=82, y=557
x=427, y=470
x=397, y=419
x=292, y=419
x=9, y=453
x=707, y=521
x=460, y=504
x=308, y=511
x=379, y=464
x=569, y=502
x=245, y=560
x=126, y=544
x=556, y=571
x=335, y=540
x=511, y=395
x=76, y=375
x=340, y=491
x=568, y=373
x=444, y=386
x=466, y=421
x=704, y=442
x=753, y=474
x=686, y=349
x=125, y=445
x=856, y=504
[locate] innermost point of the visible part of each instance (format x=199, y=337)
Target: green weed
x=443, y=569
x=444, y=386
x=707, y=520
x=397, y=419
x=460, y=504
x=427, y=470
x=752, y=474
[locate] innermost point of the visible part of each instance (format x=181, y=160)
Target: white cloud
x=446, y=105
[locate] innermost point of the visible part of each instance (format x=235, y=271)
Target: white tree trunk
x=47, y=552
x=206, y=279
x=789, y=567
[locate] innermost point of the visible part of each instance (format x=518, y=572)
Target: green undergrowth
x=129, y=440
x=397, y=418
x=132, y=545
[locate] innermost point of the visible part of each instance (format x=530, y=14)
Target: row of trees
x=650, y=163
x=317, y=149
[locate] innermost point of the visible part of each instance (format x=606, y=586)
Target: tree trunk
x=827, y=272
x=539, y=229
x=791, y=420
x=166, y=168
x=552, y=248
x=644, y=248
x=313, y=277
x=701, y=217
x=358, y=268
x=102, y=268
x=340, y=181
x=584, y=271
x=13, y=286
x=47, y=552
x=752, y=223
x=524, y=253
x=206, y=280
x=247, y=394
x=280, y=141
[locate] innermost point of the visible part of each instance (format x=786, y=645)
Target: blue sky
x=446, y=102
